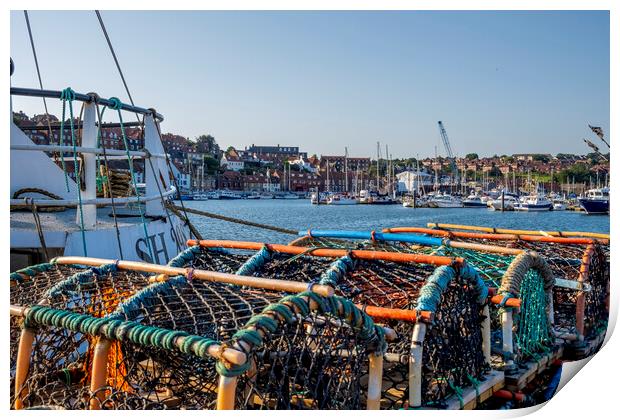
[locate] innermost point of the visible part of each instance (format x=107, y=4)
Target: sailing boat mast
x=346, y=171
x=327, y=170
x=378, y=158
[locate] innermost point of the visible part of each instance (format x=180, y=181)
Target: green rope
x=68, y=95
x=117, y=105
x=533, y=334
x=60, y=141
x=31, y=271
x=458, y=391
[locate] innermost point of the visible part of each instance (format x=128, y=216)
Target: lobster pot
x=300, y=351
x=212, y=259
x=452, y=348
x=61, y=359
x=27, y=287
x=453, y=355
x=314, y=360
x=527, y=331
x=172, y=379
x=580, y=305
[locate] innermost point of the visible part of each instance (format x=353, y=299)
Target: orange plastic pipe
x=496, y=236
x=331, y=253
x=511, y=302
x=396, y=314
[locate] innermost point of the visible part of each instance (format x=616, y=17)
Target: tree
x=207, y=144
x=471, y=156
x=212, y=165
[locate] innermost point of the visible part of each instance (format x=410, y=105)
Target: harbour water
x=301, y=215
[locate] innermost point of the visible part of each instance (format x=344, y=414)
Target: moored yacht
x=510, y=201
x=537, y=202
x=446, y=201
x=475, y=201
x=596, y=201
x=341, y=200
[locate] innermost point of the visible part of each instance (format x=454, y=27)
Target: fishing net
x=212, y=259
x=492, y=268
x=61, y=359
x=586, y=263
x=305, y=351
x=452, y=349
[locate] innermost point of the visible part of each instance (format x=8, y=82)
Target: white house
x=232, y=163
x=410, y=181
x=303, y=164
x=182, y=179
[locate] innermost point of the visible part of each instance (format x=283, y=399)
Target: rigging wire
x=36, y=63
x=120, y=71
x=118, y=66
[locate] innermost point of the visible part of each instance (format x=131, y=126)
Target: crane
x=446, y=143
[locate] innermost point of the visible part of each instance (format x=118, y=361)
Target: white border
x=591, y=394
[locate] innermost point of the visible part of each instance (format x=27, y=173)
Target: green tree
x=212, y=165
x=207, y=144
x=471, y=156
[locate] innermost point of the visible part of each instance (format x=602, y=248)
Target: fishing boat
x=536, y=202
x=229, y=195
x=341, y=200
x=475, y=201
x=51, y=215
x=446, y=201
x=213, y=195
x=596, y=201
x=510, y=201
x=318, y=198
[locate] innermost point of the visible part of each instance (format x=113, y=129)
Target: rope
x=118, y=66
x=68, y=95
x=292, y=307
x=255, y=262
x=117, y=105
x=238, y=221
x=163, y=201
x=29, y=272
x=36, y=63
x=185, y=219
x=107, y=178
x=37, y=222
x=336, y=271
x=115, y=329
x=176, y=184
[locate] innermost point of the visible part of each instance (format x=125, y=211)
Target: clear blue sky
x=502, y=82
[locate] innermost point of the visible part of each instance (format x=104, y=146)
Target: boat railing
x=83, y=97
x=159, y=185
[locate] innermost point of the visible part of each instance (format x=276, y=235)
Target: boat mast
x=346, y=171
x=378, y=157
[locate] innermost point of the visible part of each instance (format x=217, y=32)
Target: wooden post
x=226, y=393
x=89, y=139
x=507, y=347
x=99, y=372
x=486, y=334
x=23, y=365
x=375, y=381
x=415, y=365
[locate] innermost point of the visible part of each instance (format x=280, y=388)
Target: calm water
x=300, y=214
